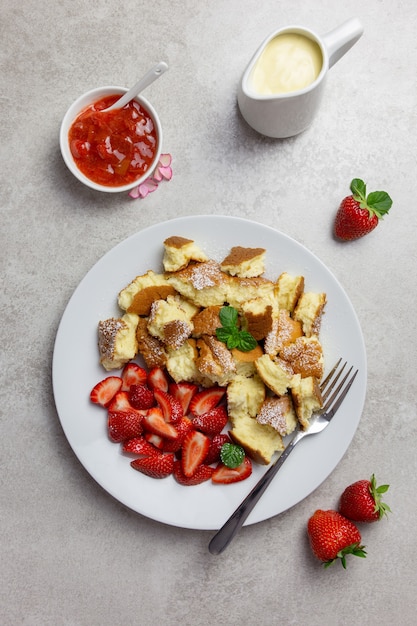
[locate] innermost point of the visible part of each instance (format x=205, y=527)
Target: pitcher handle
x=339, y=40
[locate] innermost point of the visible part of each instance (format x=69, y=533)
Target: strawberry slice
x=212, y=422
x=206, y=400
x=201, y=474
x=141, y=397
x=133, y=374
x=124, y=425
x=156, y=441
x=183, y=392
x=213, y=455
x=154, y=422
x=183, y=427
x=138, y=446
x=194, y=450
x=170, y=406
x=104, y=392
x=120, y=402
x=226, y=475
x=157, y=379
x=159, y=465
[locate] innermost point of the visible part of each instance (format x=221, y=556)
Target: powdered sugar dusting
x=305, y=356
x=107, y=333
x=205, y=275
x=221, y=354
x=271, y=344
x=176, y=333
x=273, y=413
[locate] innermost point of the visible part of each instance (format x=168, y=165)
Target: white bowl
x=75, y=109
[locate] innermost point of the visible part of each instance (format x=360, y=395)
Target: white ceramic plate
x=76, y=370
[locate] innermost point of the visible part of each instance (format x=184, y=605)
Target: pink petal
x=166, y=172
x=165, y=160
x=134, y=193
x=157, y=175
x=147, y=187
x=162, y=171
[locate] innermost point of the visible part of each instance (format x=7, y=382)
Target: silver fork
x=333, y=392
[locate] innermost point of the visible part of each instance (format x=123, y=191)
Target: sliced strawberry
x=183, y=427
x=104, y=392
x=158, y=465
x=225, y=475
x=212, y=422
x=201, y=474
x=206, y=400
x=213, y=455
x=133, y=374
x=183, y=392
x=141, y=397
x=157, y=379
x=139, y=446
x=124, y=425
x=120, y=402
x=170, y=406
x=194, y=451
x=154, y=422
x=156, y=441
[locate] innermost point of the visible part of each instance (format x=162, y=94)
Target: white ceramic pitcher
x=281, y=115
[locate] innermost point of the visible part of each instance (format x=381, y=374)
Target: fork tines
x=328, y=386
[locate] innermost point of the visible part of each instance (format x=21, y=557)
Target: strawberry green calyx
x=376, y=492
x=378, y=203
x=355, y=549
x=232, y=455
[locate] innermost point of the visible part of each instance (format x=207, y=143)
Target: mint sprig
x=230, y=334
x=377, y=202
x=232, y=455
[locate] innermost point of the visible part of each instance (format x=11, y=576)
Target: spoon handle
x=224, y=536
x=155, y=72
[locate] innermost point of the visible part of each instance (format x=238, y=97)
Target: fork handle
x=224, y=536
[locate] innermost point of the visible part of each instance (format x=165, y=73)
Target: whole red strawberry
x=361, y=501
x=332, y=537
x=358, y=214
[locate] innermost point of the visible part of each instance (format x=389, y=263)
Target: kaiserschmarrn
x=170, y=320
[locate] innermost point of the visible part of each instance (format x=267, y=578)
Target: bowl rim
x=79, y=105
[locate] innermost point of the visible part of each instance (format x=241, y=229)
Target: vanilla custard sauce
x=289, y=62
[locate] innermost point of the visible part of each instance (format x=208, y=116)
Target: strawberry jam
x=113, y=148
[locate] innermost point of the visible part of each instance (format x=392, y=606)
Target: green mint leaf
x=230, y=334
x=246, y=341
x=228, y=316
x=358, y=188
x=222, y=334
x=379, y=202
x=232, y=340
x=232, y=455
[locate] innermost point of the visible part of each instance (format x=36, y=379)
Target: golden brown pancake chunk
x=178, y=253
x=244, y=262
